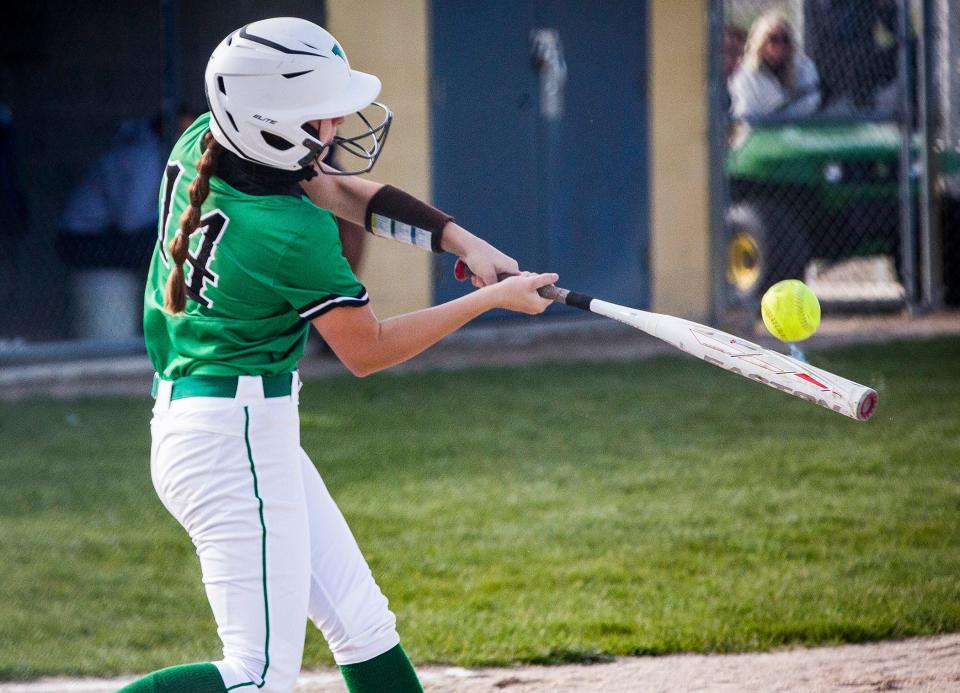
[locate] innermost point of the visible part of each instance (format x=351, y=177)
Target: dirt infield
x=924, y=664
x=919, y=664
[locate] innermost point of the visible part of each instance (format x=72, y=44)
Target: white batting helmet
x=267, y=80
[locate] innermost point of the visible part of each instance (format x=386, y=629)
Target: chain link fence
x=85, y=129
x=840, y=151
x=83, y=140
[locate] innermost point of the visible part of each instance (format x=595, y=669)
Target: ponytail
x=175, y=299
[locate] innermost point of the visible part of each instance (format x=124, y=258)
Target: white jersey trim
x=316, y=309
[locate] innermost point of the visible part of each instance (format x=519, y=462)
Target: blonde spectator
x=775, y=76
x=731, y=49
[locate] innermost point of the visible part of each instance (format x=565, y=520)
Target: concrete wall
x=389, y=39
x=679, y=158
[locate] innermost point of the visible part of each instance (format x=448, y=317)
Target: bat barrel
x=867, y=404
x=751, y=361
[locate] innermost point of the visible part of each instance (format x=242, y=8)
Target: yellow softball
x=790, y=310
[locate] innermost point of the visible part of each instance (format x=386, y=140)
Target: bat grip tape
x=555, y=293
x=581, y=301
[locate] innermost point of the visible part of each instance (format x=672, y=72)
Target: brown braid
x=175, y=299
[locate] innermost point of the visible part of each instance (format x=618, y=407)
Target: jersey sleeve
x=313, y=276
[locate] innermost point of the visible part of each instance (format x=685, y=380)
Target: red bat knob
x=553, y=293
x=461, y=271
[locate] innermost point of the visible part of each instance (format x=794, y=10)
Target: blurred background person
x=731, y=55
x=353, y=237
x=775, y=77
x=109, y=227
x=731, y=49
x=353, y=240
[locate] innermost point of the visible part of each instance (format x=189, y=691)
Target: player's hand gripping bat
x=727, y=351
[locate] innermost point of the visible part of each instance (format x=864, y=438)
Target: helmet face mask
x=268, y=80
x=358, y=151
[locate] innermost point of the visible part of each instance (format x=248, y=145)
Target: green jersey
x=260, y=268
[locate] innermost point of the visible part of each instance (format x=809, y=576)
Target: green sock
x=196, y=678
x=390, y=672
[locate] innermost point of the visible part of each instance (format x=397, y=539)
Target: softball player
x=227, y=312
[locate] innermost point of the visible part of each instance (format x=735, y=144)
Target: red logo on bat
x=814, y=381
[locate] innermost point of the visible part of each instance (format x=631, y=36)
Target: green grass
x=543, y=514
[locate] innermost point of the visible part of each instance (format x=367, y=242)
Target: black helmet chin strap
x=314, y=155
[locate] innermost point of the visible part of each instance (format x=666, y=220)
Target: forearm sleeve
x=392, y=213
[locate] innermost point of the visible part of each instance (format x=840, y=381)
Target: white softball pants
x=274, y=548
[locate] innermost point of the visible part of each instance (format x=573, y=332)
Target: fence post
x=907, y=246
x=717, y=134
x=931, y=244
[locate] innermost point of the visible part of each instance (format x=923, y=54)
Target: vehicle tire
x=765, y=243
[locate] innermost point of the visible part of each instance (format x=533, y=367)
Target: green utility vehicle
x=819, y=189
